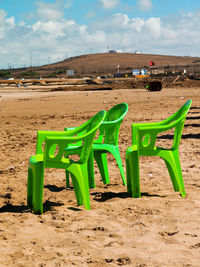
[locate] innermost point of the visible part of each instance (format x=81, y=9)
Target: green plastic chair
x=107, y=142
x=144, y=136
x=53, y=156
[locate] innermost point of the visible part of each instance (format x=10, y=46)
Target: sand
x=158, y=229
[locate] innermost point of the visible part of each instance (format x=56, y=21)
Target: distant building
x=140, y=73
x=155, y=70
x=70, y=72
x=114, y=51
x=143, y=72
x=135, y=72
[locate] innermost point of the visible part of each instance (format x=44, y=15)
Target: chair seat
x=155, y=149
x=40, y=157
x=103, y=147
x=96, y=147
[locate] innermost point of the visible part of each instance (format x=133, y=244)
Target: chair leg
x=67, y=179
x=101, y=160
x=84, y=186
x=116, y=154
x=176, y=172
x=180, y=175
x=77, y=190
x=90, y=167
x=30, y=188
x=79, y=176
x=172, y=176
x=38, y=185
x=132, y=172
x=128, y=174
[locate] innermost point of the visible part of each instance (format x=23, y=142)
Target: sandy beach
x=159, y=229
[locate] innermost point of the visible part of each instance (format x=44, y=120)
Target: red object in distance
x=151, y=63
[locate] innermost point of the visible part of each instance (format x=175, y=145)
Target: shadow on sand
x=54, y=188
x=47, y=206
x=101, y=197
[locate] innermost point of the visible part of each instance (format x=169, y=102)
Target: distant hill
x=99, y=64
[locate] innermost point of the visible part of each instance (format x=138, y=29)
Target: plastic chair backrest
x=180, y=117
x=79, y=143
x=109, y=129
x=91, y=130
x=55, y=158
x=146, y=135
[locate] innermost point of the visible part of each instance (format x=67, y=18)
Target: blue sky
x=39, y=32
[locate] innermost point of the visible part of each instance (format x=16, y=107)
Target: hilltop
x=103, y=64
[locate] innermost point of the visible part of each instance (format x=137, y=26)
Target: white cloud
x=111, y=23
x=11, y=22
x=57, y=37
x=2, y=15
x=137, y=24
x=90, y=14
x=50, y=11
x=68, y=3
x=55, y=28
x=153, y=35
x=6, y=24
x=153, y=26
x=109, y=3
x=145, y=5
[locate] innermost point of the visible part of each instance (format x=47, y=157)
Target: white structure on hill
x=113, y=51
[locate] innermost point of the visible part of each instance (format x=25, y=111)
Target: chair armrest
x=145, y=136
x=51, y=142
x=41, y=135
